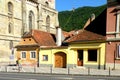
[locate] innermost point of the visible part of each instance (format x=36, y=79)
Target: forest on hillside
x=76, y=18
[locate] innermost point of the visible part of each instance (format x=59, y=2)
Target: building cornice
x=112, y=2
x=113, y=39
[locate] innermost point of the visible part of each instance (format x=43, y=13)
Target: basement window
x=92, y=55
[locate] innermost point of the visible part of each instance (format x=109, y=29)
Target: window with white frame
x=23, y=54
x=118, y=51
x=32, y=54
x=45, y=57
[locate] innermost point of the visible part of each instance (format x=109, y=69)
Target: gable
x=27, y=41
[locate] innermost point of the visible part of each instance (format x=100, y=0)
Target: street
x=31, y=76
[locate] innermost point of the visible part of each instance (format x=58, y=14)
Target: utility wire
x=69, y=18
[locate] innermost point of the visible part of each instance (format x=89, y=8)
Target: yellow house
x=81, y=49
x=84, y=49
x=54, y=56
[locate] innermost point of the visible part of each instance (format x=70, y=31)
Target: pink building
x=108, y=24
x=113, y=34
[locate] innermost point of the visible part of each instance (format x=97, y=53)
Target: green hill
x=76, y=19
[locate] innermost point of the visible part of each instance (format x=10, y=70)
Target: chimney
x=59, y=36
x=92, y=17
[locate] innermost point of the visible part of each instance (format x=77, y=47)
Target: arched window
x=10, y=28
x=46, y=4
x=48, y=23
x=10, y=8
x=31, y=20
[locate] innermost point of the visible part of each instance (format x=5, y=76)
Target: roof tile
x=41, y=37
x=85, y=35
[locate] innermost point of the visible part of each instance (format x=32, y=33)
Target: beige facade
x=20, y=16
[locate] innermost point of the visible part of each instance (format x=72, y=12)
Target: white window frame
x=34, y=55
x=22, y=54
x=45, y=57
x=118, y=52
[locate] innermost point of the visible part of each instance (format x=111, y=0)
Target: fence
x=72, y=71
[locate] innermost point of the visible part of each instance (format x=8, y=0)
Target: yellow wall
x=71, y=54
x=100, y=50
x=50, y=53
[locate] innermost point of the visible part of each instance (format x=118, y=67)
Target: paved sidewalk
x=73, y=71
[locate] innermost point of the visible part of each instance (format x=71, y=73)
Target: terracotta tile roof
x=66, y=34
x=84, y=36
x=41, y=37
x=69, y=34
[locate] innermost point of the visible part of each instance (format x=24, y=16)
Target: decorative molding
x=112, y=2
x=113, y=39
x=112, y=33
x=49, y=9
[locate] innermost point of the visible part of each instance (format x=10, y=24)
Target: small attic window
x=29, y=39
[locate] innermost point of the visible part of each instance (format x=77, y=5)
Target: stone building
x=18, y=17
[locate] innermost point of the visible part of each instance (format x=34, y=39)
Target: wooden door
x=80, y=58
x=60, y=60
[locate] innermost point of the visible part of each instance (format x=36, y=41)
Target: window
x=92, y=55
x=48, y=23
x=45, y=57
x=23, y=55
x=11, y=44
x=46, y=4
x=33, y=54
x=118, y=51
x=117, y=22
x=10, y=28
x=31, y=20
x=10, y=7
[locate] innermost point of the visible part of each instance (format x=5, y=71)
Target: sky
x=62, y=5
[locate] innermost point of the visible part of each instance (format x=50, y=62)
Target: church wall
x=16, y=20
x=31, y=7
